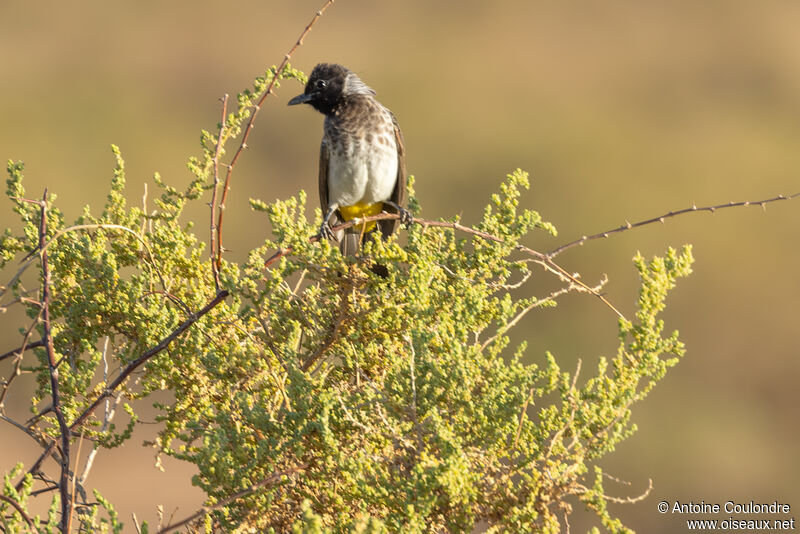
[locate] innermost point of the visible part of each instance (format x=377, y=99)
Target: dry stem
x=226, y=187
x=47, y=339
x=693, y=209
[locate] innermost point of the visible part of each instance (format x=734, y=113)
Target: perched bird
x=361, y=159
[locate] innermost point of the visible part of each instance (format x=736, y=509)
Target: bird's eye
x=321, y=84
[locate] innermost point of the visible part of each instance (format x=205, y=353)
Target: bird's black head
x=328, y=86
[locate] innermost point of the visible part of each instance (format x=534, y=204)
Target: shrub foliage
x=318, y=396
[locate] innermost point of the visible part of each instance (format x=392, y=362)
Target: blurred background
x=620, y=111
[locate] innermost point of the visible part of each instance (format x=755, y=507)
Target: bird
x=361, y=159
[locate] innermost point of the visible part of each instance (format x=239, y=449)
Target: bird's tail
x=350, y=242
x=350, y=245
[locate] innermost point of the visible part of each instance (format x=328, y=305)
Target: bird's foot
x=405, y=216
x=325, y=232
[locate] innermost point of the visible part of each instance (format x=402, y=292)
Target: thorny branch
x=215, y=160
x=662, y=218
x=535, y=304
x=620, y=500
x=226, y=187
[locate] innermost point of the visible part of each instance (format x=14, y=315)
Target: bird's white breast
x=362, y=165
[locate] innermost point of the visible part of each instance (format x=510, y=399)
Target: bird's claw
x=325, y=232
x=405, y=217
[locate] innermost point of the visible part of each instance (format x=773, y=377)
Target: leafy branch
x=110, y=388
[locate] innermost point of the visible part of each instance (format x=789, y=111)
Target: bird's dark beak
x=305, y=98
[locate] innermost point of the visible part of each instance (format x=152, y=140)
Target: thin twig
x=35, y=419
x=47, y=338
x=20, y=350
x=226, y=187
x=693, y=209
x=18, y=363
x=215, y=161
x=33, y=433
x=130, y=368
x=621, y=500
x=75, y=471
x=535, y=304
x=232, y=498
x=107, y=418
x=20, y=510
x=21, y=298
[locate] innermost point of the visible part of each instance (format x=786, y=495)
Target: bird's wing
x=323, y=176
x=324, y=160
x=399, y=193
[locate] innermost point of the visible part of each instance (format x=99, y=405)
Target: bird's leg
x=405, y=216
x=325, y=231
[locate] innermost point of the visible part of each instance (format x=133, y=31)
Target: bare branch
x=693, y=209
x=33, y=433
x=108, y=416
x=226, y=187
x=215, y=161
x=20, y=350
x=621, y=500
x=546, y=260
x=47, y=339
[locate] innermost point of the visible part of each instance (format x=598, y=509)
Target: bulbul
x=361, y=158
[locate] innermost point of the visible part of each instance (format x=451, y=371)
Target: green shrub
x=319, y=397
